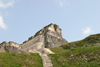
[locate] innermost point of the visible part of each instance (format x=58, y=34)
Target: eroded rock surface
x=43, y=52
x=11, y=47
x=51, y=36
x=48, y=37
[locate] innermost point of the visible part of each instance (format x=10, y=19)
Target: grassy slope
x=20, y=60
x=84, y=53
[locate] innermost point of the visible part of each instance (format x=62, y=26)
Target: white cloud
x=2, y=25
x=87, y=30
x=62, y=2
x=6, y=5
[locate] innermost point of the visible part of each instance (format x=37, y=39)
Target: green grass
x=82, y=57
x=20, y=60
x=90, y=41
x=83, y=53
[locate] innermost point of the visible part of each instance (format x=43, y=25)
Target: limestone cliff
x=50, y=36
x=11, y=47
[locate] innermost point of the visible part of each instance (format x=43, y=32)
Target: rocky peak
x=50, y=27
x=50, y=36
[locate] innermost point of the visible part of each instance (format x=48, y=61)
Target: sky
x=21, y=19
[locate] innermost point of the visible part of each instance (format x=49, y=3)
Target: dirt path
x=43, y=52
x=46, y=60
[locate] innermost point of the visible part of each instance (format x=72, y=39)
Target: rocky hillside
x=90, y=41
x=11, y=47
x=50, y=36
x=83, y=53
x=50, y=42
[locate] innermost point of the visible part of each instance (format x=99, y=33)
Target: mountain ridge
x=50, y=36
x=83, y=53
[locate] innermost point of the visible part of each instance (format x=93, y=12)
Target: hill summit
x=48, y=37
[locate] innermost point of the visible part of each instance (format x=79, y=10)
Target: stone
x=25, y=41
x=31, y=38
x=50, y=36
x=11, y=47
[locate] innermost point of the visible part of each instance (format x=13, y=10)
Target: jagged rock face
x=33, y=43
x=51, y=27
x=11, y=47
x=50, y=36
x=53, y=40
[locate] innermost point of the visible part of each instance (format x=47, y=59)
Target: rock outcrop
x=11, y=47
x=50, y=36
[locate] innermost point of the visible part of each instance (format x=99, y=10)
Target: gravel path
x=46, y=60
x=43, y=52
